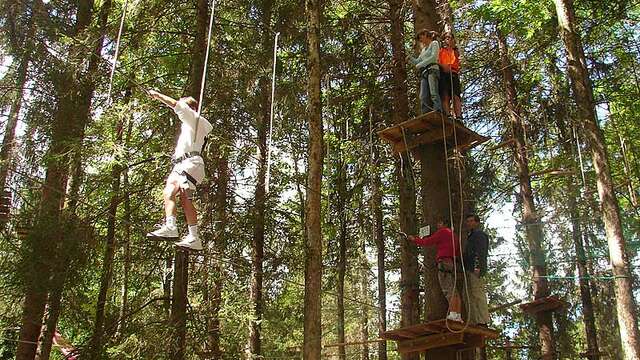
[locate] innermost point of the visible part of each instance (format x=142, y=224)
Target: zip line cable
x=115, y=56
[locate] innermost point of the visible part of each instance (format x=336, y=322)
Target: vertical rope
x=273, y=93
x=204, y=70
x=115, y=56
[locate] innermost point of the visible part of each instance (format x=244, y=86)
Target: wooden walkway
x=435, y=334
x=427, y=129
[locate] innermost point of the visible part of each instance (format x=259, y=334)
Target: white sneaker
x=190, y=242
x=454, y=316
x=165, y=231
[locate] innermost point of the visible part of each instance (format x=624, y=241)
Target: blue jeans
x=429, y=89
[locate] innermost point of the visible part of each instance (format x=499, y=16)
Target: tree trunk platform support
x=435, y=334
x=549, y=303
x=427, y=129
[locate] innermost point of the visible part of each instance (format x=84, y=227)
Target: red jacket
x=444, y=240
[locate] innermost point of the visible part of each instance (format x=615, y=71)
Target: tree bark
x=8, y=142
x=567, y=141
x=364, y=296
x=409, y=304
x=178, y=318
x=341, y=266
x=530, y=217
x=61, y=272
x=199, y=48
x=582, y=92
x=220, y=207
x=126, y=255
x=67, y=128
x=167, y=277
x=313, y=248
x=378, y=237
x=254, y=347
x=96, y=343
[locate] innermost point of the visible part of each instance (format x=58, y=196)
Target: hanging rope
x=446, y=160
x=115, y=56
x=273, y=93
x=204, y=70
x=575, y=136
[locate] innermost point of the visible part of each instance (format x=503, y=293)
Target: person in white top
x=187, y=172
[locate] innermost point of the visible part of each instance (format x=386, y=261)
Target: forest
x=309, y=203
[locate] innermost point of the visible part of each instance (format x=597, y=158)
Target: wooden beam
x=354, y=343
x=549, y=303
x=425, y=138
x=430, y=342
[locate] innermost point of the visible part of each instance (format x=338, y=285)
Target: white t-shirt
x=189, y=118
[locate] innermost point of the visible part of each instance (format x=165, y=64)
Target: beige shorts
x=194, y=166
x=446, y=280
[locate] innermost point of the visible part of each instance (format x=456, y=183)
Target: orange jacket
x=448, y=56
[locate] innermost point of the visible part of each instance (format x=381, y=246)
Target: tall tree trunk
x=40, y=247
x=8, y=142
x=199, y=48
x=445, y=15
x=582, y=91
x=70, y=241
x=178, y=318
x=364, y=296
x=257, y=244
x=438, y=187
x=220, y=200
x=126, y=255
x=530, y=217
x=96, y=343
x=341, y=266
x=409, y=304
x=179, y=294
x=167, y=281
x=313, y=247
x=567, y=141
x=378, y=237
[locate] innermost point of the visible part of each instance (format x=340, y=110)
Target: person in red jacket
x=448, y=250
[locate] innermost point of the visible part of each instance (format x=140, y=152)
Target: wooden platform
x=427, y=129
x=549, y=303
x=435, y=334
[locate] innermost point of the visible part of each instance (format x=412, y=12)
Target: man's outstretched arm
x=167, y=100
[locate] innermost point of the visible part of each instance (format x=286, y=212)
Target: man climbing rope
x=446, y=243
x=475, y=263
x=188, y=170
x=427, y=65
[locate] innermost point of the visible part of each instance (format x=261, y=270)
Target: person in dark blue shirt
x=475, y=263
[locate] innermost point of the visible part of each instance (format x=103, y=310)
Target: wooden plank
x=425, y=138
x=468, y=329
x=428, y=128
x=430, y=342
x=416, y=125
x=355, y=343
x=548, y=303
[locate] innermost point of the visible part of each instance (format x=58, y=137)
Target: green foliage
x=156, y=50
